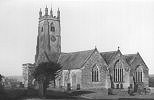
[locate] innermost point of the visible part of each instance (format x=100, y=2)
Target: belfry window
x=52, y=28
x=95, y=74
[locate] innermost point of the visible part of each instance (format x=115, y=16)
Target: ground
x=52, y=94
x=93, y=94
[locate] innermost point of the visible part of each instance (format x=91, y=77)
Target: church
x=90, y=68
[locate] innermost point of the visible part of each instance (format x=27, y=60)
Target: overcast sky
x=84, y=25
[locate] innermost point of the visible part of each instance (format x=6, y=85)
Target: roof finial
x=51, y=13
x=95, y=47
x=118, y=47
x=58, y=13
x=40, y=13
x=46, y=11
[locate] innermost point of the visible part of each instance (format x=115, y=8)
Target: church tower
x=48, y=39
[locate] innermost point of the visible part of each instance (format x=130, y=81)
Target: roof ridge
x=108, y=56
x=79, y=51
x=63, y=53
x=129, y=54
x=76, y=58
x=108, y=52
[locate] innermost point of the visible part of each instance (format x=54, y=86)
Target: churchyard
x=53, y=93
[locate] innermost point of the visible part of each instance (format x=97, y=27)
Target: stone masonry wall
x=145, y=74
x=87, y=83
x=71, y=76
x=126, y=71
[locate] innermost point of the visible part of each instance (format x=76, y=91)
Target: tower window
x=42, y=29
x=52, y=29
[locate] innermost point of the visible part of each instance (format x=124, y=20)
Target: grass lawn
x=98, y=94
x=90, y=94
x=12, y=94
x=31, y=94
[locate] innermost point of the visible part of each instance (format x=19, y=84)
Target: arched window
x=52, y=28
x=118, y=72
x=95, y=74
x=138, y=74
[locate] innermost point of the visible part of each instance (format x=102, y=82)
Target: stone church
x=90, y=68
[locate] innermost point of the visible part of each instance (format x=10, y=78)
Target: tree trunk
x=41, y=91
x=42, y=87
x=112, y=84
x=54, y=83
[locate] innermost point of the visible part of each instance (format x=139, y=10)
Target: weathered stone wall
x=75, y=78
x=65, y=78
x=87, y=83
x=145, y=75
x=146, y=78
x=71, y=76
x=48, y=41
x=126, y=70
x=126, y=82
x=28, y=69
x=83, y=76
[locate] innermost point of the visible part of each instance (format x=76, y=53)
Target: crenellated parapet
x=49, y=15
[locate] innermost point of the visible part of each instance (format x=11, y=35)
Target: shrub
x=151, y=81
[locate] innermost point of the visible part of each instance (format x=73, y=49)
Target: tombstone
x=78, y=86
x=148, y=91
x=131, y=86
x=121, y=86
x=129, y=90
x=135, y=87
x=117, y=86
x=140, y=88
x=144, y=90
x=110, y=91
x=68, y=86
x=112, y=86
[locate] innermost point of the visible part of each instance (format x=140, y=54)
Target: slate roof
x=108, y=56
x=74, y=60
x=134, y=58
x=130, y=58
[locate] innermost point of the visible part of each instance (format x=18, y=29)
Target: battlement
x=49, y=16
